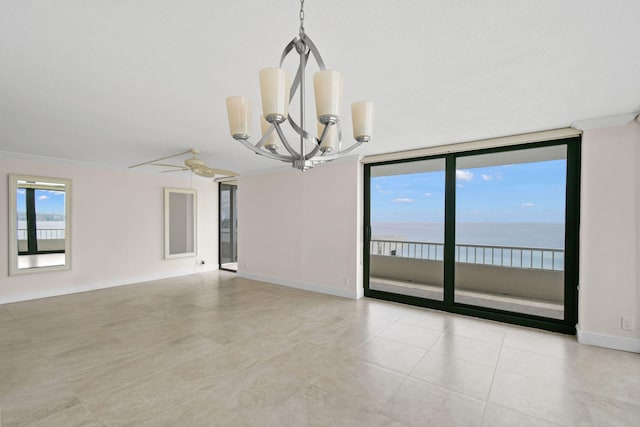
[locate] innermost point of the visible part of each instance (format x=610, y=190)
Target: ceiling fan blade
x=211, y=172
x=162, y=158
x=167, y=165
x=224, y=172
x=175, y=170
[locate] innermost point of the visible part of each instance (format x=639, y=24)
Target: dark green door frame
x=572, y=218
x=232, y=223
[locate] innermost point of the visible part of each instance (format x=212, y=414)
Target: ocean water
x=537, y=235
x=58, y=225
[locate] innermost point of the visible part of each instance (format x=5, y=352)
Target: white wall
x=609, y=236
x=303, y=229
x=117, y=229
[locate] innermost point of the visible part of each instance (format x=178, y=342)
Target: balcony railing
x=502, y=256
x=42, y=233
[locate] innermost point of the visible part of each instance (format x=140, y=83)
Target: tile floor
x=213, y=349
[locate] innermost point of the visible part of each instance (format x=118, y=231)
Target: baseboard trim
x=607, y=341
x=344, y=293
x=101, y=285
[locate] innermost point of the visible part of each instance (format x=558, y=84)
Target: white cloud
x=464, y=175
x=427, y=194
x=486, y=177
x=528, y=205
x=22, y=191
x=460, y=186
x=402, y=200
x=43, y=197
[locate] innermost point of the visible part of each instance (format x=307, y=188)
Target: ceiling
x=117, y=83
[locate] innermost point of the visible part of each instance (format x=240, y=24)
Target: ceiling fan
x=194, y=164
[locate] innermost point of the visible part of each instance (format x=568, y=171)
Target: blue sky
x=527, y=192
x=47, y=201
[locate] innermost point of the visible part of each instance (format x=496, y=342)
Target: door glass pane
x=510, y=222
x=228, y=227
x=407, y=228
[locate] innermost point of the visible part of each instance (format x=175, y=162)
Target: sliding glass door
x=228, y=226
x=407, y=229
x=492, y=233
x=510, y=230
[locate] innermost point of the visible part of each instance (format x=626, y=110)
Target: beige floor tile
x=455, y=374
x=35, y=403
x=427, y=319
x=383, y=309
x=362, y=381
x=97, y=383
x=12, y=335
x=255, y=391
x=136, y=324
x=307, y=361
x=206, y=370
x=556, y=404
x=75, y=416
x=562, y=372
x=418, y=403
x=478, y=329
x=180, y=350
x=200, y=411
x=317, y=407
x=468, y=349
x=141, y=401
x=547, y=343
x=5, y=316
x=202, y=320
x=411, y=335
x=23, y=375
x=67, y=340
x=88, y=356
x=226, y=332
x=390, y=354
x=264, y=346
x=339, y=338
x=153, y=336
x=497, y=416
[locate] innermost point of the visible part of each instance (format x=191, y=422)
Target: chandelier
x=277, y=92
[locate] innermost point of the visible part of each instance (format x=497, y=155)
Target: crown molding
x=605, y=122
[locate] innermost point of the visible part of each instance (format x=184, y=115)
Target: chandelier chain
x=301, y=17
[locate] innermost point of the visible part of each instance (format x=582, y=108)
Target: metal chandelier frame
x=303, y=159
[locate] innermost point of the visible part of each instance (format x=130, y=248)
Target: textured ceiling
x=121, y=82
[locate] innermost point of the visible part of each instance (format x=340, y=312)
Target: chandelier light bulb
x=239, y=114
x=275, y=84
x=330, y=140
x=362, y=113
x=272, y=141
x=328, y=86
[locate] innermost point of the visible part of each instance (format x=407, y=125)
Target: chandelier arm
x=343, y=152
x=299, y=130
x=260, y=143
x=296, y=80
x=265, y=153
x=312, y=153
x=301, y=70
x=287, y=49
x=285, y=142
x=313, y=49
x=315, y=150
